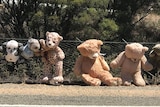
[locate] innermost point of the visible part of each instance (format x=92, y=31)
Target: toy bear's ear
x=80, y=46
x=5, y=43
x=20, y=44
x=145, y=49
x=99, y=42
x=47, y=33
x=29, y=40
x=152, y=54
x=60, y=38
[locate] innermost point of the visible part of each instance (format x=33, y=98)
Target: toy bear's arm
x=77, y=66
x=145, y=64
x=117, y=62
x=44, y=46
x=104, y=64
x=37, y=53
x=60, y=53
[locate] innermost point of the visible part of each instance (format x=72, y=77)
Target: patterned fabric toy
x=52, y=54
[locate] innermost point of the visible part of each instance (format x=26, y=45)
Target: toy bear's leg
x=138, y=79
x=109, y=80
x=126, y=79
x=58, y=73
x=47, y=68
x=90, y=80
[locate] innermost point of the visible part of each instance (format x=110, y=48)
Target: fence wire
x=31, y=69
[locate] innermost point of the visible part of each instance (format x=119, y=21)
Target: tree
x=124, y=11
x=15, y=16
x=84, y=19
x=76, y=19
x=90, y=20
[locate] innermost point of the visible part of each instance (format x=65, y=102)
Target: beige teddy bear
x=131, y=61
x=92, y=67
x=52, y=54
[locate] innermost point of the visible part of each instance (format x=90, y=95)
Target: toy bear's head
x=135, y=51
x=155, y=51
x=34, y=44
x=12, y=46
x=90, y=48
x=11, y=49
x=53, y=39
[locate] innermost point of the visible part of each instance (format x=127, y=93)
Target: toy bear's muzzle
x=94, y=55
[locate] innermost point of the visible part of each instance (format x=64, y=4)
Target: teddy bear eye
x=35, y=47
x=9, y=48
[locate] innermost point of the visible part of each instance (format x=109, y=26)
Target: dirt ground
x=41, y=94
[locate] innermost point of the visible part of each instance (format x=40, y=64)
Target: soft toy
x=92, y=67
x=11, y=49
x=131, y=61
x=52, y=54
x=31, y=48
x=154, y=57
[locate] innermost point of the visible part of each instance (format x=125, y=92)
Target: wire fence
x=31, y=69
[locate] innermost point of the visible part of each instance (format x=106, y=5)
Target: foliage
x=14, y=15
x=124, y=12
x=83, y=19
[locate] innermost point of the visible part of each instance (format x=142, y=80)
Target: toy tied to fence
x=92, y=67
x=52, y=54
x=130, y=62
x=11, y=50
x=31, y=49
x=154, y=57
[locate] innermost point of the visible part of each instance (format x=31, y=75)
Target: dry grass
x=75, y=90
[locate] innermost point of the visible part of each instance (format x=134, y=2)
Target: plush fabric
x=92, y=67
x=154, y=57
x=11, y=49
x=131, y=62
x=31, y=48
x=52, y=54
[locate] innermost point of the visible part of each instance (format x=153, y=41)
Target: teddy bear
x=52, y=54
x=92, y=67
x=154, y=59
x=11, y=50
x=32, y=48
x=131, y=61
x=154, y=56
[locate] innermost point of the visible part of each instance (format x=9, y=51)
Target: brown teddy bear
x=131, y=61
x=52, y=54
x=92, y=67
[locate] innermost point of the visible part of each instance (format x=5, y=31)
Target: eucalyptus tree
x=15, y=15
